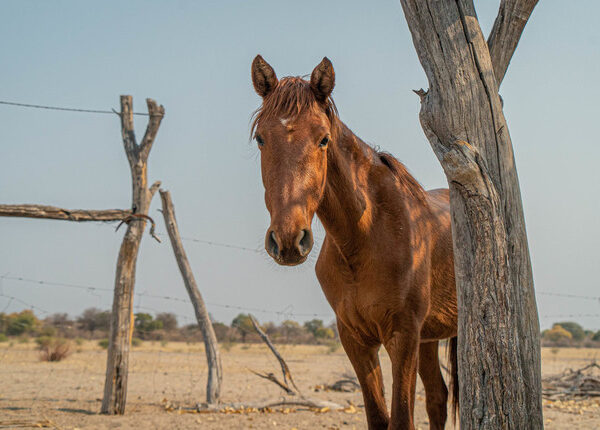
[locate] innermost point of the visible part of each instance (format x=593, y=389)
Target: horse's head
x=293, y=129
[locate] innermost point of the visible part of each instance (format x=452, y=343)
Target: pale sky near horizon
x=194, y=58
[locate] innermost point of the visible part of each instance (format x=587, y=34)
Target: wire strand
x=286, y=312
x=35, y=106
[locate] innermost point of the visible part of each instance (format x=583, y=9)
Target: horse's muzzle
x=289, y=250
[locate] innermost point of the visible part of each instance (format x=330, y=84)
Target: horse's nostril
x=305, y=242
x=272, y=246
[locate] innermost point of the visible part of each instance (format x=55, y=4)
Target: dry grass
x=68, y=392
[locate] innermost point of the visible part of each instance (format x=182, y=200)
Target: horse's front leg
x=365, y=360
x=403, y=349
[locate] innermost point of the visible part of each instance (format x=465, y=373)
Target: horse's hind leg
x=436, y=393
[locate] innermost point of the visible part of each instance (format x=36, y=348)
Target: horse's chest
x=365, y=308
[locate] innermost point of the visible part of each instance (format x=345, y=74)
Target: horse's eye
x=259, y=140
x=324, y=142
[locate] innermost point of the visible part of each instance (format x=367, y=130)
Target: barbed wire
x=570, y=296
x=213, y=243
x=286, y=312
x=200, y=240
x=29, y=305
x=67, y=109
x=572, y=316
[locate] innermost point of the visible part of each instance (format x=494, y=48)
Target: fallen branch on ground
x=584, y=382
x=298, y=400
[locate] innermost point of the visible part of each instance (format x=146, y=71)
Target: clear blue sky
x=194, y=58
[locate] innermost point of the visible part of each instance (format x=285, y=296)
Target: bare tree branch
x=52, y=212
x=211, y=347
x=127, y=130
x=506, y=32
x=285, y=370
x=309, y=403
x=155, y=186
x=271, y=377
x=156, y=115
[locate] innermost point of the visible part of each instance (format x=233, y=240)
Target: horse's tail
x=453, y=368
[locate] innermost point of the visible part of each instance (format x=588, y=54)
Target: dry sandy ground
x=67, y=394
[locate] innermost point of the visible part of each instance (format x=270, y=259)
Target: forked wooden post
x=121, y=325
x=215, y=373
x=462, y=117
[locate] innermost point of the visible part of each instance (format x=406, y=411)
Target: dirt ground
x=166, y=381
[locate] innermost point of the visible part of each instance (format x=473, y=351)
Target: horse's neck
x=356, y=179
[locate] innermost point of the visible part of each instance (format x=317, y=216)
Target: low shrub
x=332, y=346
x=136, y=342
x=52, y=348
x=103, y=343
x=3, y=337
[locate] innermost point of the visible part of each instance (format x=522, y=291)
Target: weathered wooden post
x=215, y=373
x=121, y=325
x=461, y=114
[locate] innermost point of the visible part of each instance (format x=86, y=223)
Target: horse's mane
x=293, y=95
x=407, y=181
x=290, y=98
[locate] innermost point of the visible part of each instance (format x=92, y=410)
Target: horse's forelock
x=290, y=98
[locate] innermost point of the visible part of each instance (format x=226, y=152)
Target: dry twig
x=584, y=382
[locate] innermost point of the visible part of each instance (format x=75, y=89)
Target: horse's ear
x=322, y=79
x=264, y=78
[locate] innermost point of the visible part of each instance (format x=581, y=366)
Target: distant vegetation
x=569, y=333
x=94, y=324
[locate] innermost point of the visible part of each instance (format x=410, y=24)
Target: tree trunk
x=121, y=325
x=215, y=373
x=461, y=114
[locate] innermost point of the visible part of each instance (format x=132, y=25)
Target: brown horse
x=386, y=264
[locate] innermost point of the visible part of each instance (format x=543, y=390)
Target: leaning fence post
x=215, y=374
x=121, y=324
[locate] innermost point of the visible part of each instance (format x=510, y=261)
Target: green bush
x=103, y=343
x=136, y=342
x=48, y=330
x=42, y=341
x=79, y=341
x=575, y=329
x=596, y=336
x=21, y=323
x=3, y=337
x=557, y=334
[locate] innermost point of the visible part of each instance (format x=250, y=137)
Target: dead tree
x=215, y=373
x=121, y=325
x=461, y=114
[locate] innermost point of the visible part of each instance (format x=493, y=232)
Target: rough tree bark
x=52, y=212
x=461, y=114
x=121, y=325
x=215, y=373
